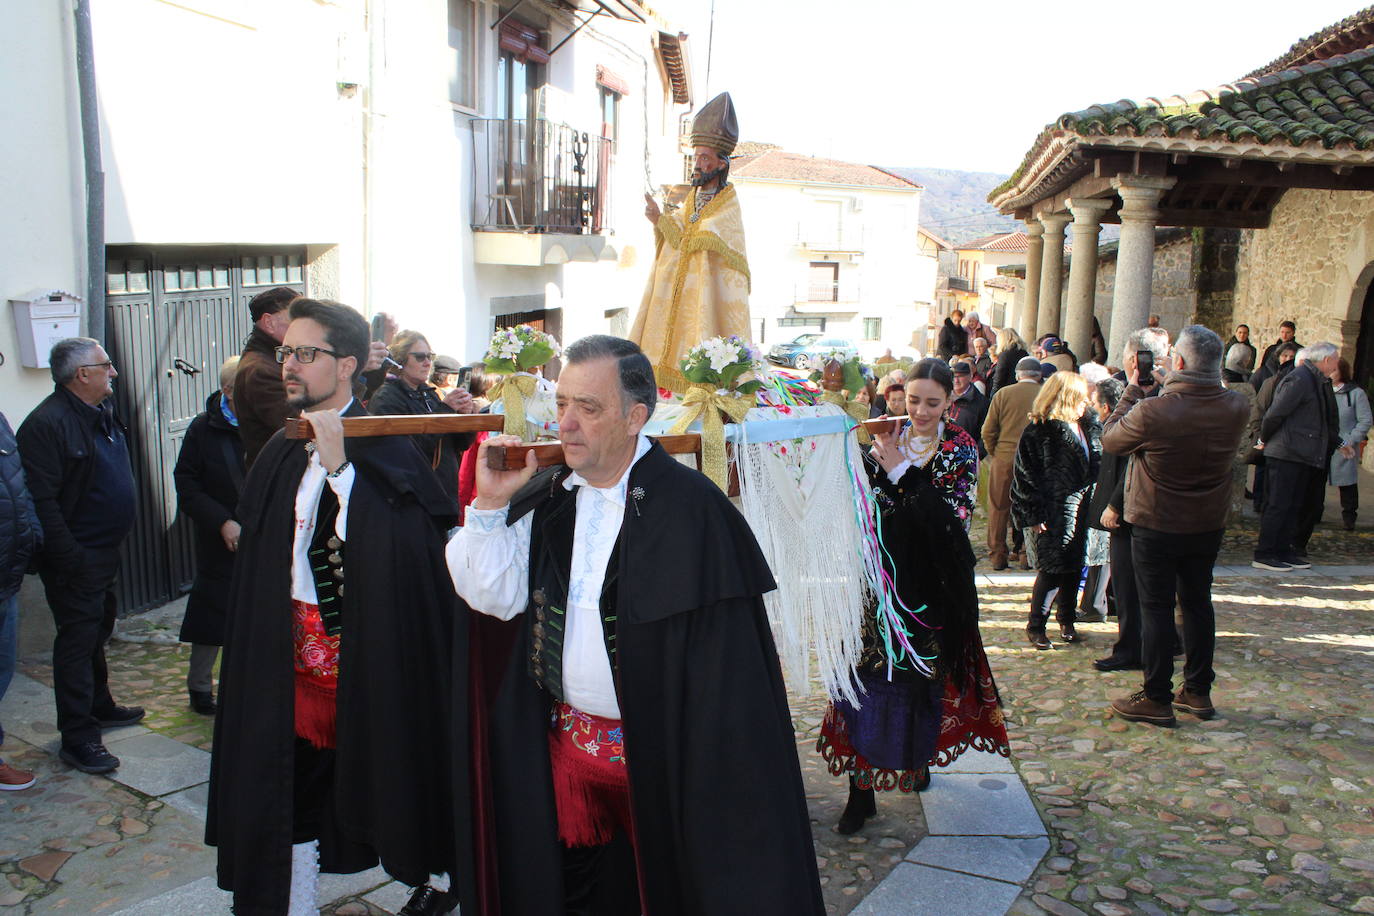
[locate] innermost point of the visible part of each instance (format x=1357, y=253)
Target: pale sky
x=967, y=85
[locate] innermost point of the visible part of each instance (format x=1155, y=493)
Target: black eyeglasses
x=107, y=365
x=421, y=357
x=304, y=355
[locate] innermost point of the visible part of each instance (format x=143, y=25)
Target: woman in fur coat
x=1052, y=481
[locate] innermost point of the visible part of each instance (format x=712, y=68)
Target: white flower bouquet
x=519, y=349
x=724, y=363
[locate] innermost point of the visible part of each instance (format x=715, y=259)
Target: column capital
x=1054, y=223
x=1089, y=209
x=1139, y=194
x=1034, y=228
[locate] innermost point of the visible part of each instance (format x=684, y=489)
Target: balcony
x=541, y=193
x=961, y=284
x=815, y=295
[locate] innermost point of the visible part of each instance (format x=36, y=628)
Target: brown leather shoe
x=1068, y=633
x=1037, y=638
x=1199, y=704
x=1138, y=707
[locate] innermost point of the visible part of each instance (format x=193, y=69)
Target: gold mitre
x=715, y=125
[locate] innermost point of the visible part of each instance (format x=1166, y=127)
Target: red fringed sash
x=317, y=675
x=590, y=784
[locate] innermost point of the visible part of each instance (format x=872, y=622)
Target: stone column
x=1051, y=274
x=1078, y=322
x=1025, y=325
x=1135, y=259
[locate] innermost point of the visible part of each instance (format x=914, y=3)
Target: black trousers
x=1350, y=501
x=1127, y=597
x=1061, y=589
x=1310, y=508
x=1169, y=565
x=83, y=607
x=1288, y=493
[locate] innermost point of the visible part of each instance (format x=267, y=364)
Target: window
x=873, y=329
x=823, y=282
x=802, y=321
x=610, y=113
x=462, y=43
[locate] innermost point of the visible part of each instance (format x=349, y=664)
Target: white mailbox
x=42, y=317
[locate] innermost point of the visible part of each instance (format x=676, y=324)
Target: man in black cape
x=361, y=767
x=634, y=591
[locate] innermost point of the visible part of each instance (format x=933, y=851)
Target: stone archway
x=1357, y=329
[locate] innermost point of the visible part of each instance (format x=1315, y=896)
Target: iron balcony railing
x=961, y=283
x=537, y=176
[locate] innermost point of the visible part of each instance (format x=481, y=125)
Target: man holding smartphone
x=1177, y=498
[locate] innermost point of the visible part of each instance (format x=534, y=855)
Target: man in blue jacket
x=20, y=538
x=76, y=459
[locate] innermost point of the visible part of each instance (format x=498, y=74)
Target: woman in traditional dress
x=1052, y=481
x=927, y=691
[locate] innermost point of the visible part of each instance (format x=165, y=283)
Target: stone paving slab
x=193, y=801
x=1010, y=859
x=916, y=890
x=199, y=898
x=337, y=887
x=390, y=897
x=972, y=761
x=156, y=765
x=981, y=805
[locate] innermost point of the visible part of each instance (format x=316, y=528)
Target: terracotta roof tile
x=1326, y=106
x=1002, y=241
x=780, y=165
x=1350, y=34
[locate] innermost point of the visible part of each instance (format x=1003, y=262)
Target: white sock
x=439, y=882
x=305, y=878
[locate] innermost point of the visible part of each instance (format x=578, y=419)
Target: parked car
x=807, y=350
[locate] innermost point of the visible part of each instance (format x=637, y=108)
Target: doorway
x=173, y=315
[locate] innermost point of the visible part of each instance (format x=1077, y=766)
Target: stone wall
x=1173, y=296
x=1312, y=265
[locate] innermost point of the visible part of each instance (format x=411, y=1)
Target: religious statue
x=699, y=286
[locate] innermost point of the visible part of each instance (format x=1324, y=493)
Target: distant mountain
x=955, y=205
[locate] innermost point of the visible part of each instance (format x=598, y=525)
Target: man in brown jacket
x=259, y=395
x=1178, y=493
x=1008, y=414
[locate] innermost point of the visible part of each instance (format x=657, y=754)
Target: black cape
x=402, y=719
x=719, y=804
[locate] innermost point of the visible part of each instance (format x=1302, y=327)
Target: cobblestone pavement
x=152, y=674
x=1266, y=808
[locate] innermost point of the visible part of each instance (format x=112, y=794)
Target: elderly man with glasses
x=76, y=459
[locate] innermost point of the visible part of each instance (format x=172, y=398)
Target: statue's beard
x=701, y=179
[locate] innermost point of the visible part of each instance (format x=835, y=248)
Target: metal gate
x=173, y=316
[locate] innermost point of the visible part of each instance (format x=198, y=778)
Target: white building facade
x=456, y=163
x=834, y=247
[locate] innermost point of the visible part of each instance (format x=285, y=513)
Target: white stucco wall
x=222, y=122
x=41, y=179
x=887, y=277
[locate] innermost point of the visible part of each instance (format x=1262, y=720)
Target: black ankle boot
x=861, y=806
x=426, y=901
x=203, y=702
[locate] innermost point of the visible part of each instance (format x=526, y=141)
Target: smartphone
x=1145, y=364
x=378, y=326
